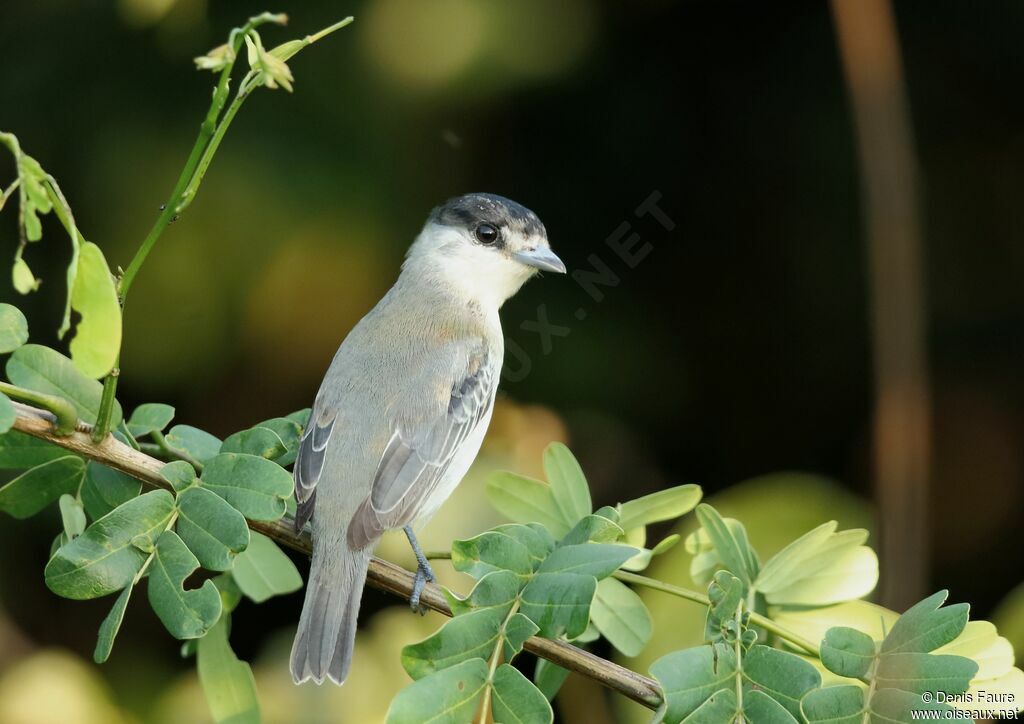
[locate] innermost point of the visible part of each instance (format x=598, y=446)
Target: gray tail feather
x=327, y=628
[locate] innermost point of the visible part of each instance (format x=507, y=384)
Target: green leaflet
x=259, y=441
x=256, y=487
x=150, y=417
x=105, y=488
x=621, y=617
x=97, y=339
x=595, y=528
x=110, y=626
x=703, y=679
x=559, y=603
x=198, y=443
x=517, y=701
x=185, y=613
x=13, y=328
x=589, y=559
x=450, y=696
x=46, y=370
x=179, y=474
x=656, y=507
x=900, y=668
x=568, y=484
x=721, y=543
x=263, y=570
x=491, y=551
x=227, y=682
x=37, y=488
x=472, y=635
x=105, y=558
x=821, y=567
x=525, y=500
x=72, y=516
x=213, y=530
x=19, y=451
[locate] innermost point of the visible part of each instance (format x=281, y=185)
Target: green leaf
x=198, y=443
x=227, y=682
x=213, y=530
x=925, y=626
x=150, y=417
x=847, y=652
x=72, y=516
x=599, y=560
x=110, y=626
x=784, y=676
x=179, y=474
x=256, y=487
x=525, y=500
x=690, y=677
x=533, y=536
x=834, y=705
x=568, y=484
x=105, y=558
x=22, y=278
x=449, y=696
x=19, y=451
x=621, y=617
x=185, y=613
x=821, y=567
x=263, y=570
x=518, y=629
x=259, y=441
x=495, y=590
x=290, y=433
x=656, y=507
x=37, y=488
x=105, y=488
x=729, y=547
x=301, y=417
x=13, y=328
x=491, y=551
x=559, y=603
x=8, y=415
x=549, y=678
x=515, y=700
x=46, y=370
x=97, y=340
x=593, y=528
x=472, y=635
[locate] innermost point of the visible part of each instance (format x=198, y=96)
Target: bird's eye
x=486, y=234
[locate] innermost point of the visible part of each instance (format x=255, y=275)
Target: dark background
x=740, y=345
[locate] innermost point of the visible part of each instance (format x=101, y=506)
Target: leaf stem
x=63, y=410
x=173, y=452
x=696, y=597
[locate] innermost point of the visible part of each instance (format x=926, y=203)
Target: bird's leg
x=424, y=573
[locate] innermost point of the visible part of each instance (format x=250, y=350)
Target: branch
x=383, y=575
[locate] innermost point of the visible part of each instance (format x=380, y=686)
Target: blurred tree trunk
x=869, y=48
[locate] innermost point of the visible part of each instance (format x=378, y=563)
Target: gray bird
x=403, y=409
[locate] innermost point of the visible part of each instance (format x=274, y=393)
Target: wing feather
x=309, y=465
x=415, y=460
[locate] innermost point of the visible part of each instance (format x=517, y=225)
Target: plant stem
x=169, y=212
x=696, y=597
x=63, y=410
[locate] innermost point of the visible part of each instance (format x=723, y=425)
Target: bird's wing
x=309, y=464
x=416, y=458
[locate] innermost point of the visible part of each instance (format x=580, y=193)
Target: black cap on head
x=471, y=210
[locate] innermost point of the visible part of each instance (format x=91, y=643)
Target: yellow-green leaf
x=97, y=340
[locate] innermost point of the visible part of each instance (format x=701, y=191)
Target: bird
x=403, y=409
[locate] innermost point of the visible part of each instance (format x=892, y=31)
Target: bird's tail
x=327, y=628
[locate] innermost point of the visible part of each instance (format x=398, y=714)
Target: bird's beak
x=540, y=258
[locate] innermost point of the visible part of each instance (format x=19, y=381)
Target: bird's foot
x=424, y=575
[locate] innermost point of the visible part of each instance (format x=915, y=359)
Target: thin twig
x=383, y=575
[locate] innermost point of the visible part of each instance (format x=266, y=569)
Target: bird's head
x=484, y=246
